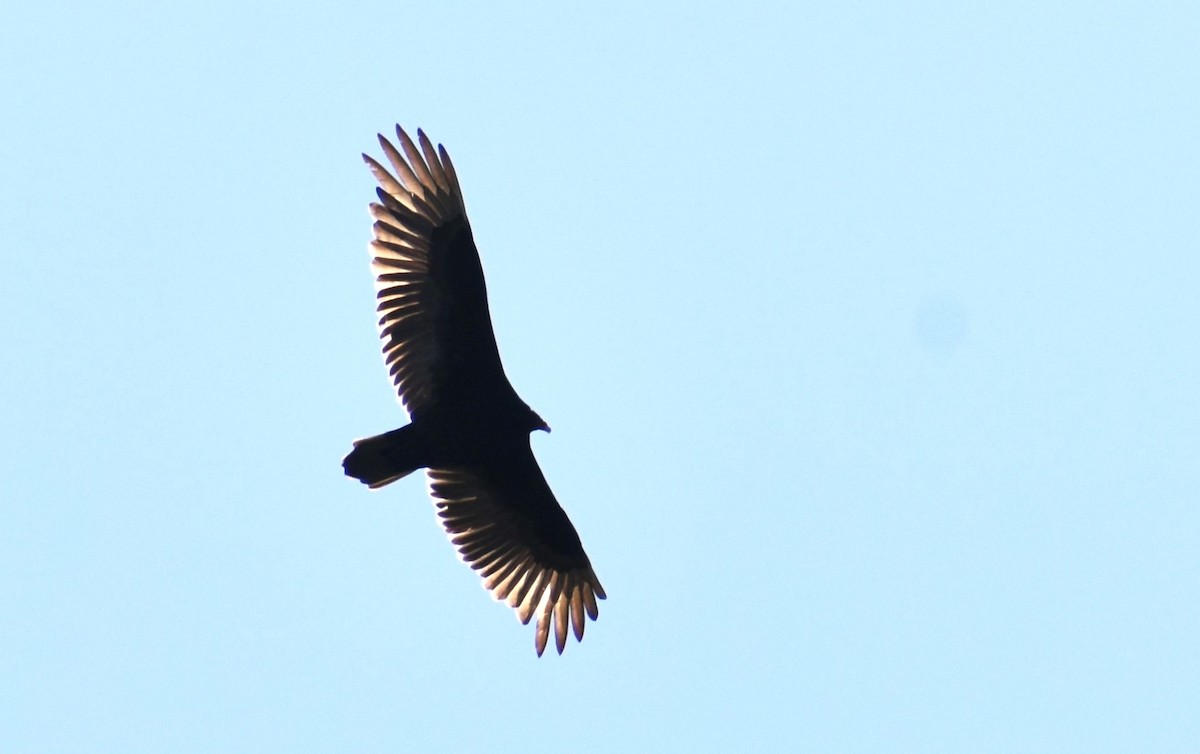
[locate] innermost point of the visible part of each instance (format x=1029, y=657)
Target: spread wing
x=437, y=334
x=506, y=524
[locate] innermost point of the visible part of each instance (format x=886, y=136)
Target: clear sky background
x=868, y=333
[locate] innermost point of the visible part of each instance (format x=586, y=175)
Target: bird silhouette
x=468, y=427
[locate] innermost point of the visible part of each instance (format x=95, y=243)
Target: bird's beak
x=545, y=427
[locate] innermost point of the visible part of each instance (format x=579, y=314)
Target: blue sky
x=867, y=333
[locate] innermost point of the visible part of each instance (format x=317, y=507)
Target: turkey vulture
x=468, y=427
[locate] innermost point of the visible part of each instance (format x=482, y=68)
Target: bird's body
x=469, y=427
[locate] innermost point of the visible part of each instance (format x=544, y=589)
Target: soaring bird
x=468, y=428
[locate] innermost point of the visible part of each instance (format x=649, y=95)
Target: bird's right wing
x=433, y=313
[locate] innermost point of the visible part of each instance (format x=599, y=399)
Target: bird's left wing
x=507, y=526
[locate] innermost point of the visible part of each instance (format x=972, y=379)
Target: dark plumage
x=468, y=427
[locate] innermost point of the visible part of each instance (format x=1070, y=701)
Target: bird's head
x=537, y=422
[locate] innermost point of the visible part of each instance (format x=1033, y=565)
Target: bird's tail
x=382, y=459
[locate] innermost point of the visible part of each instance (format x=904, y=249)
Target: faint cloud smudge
x=941, y=323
